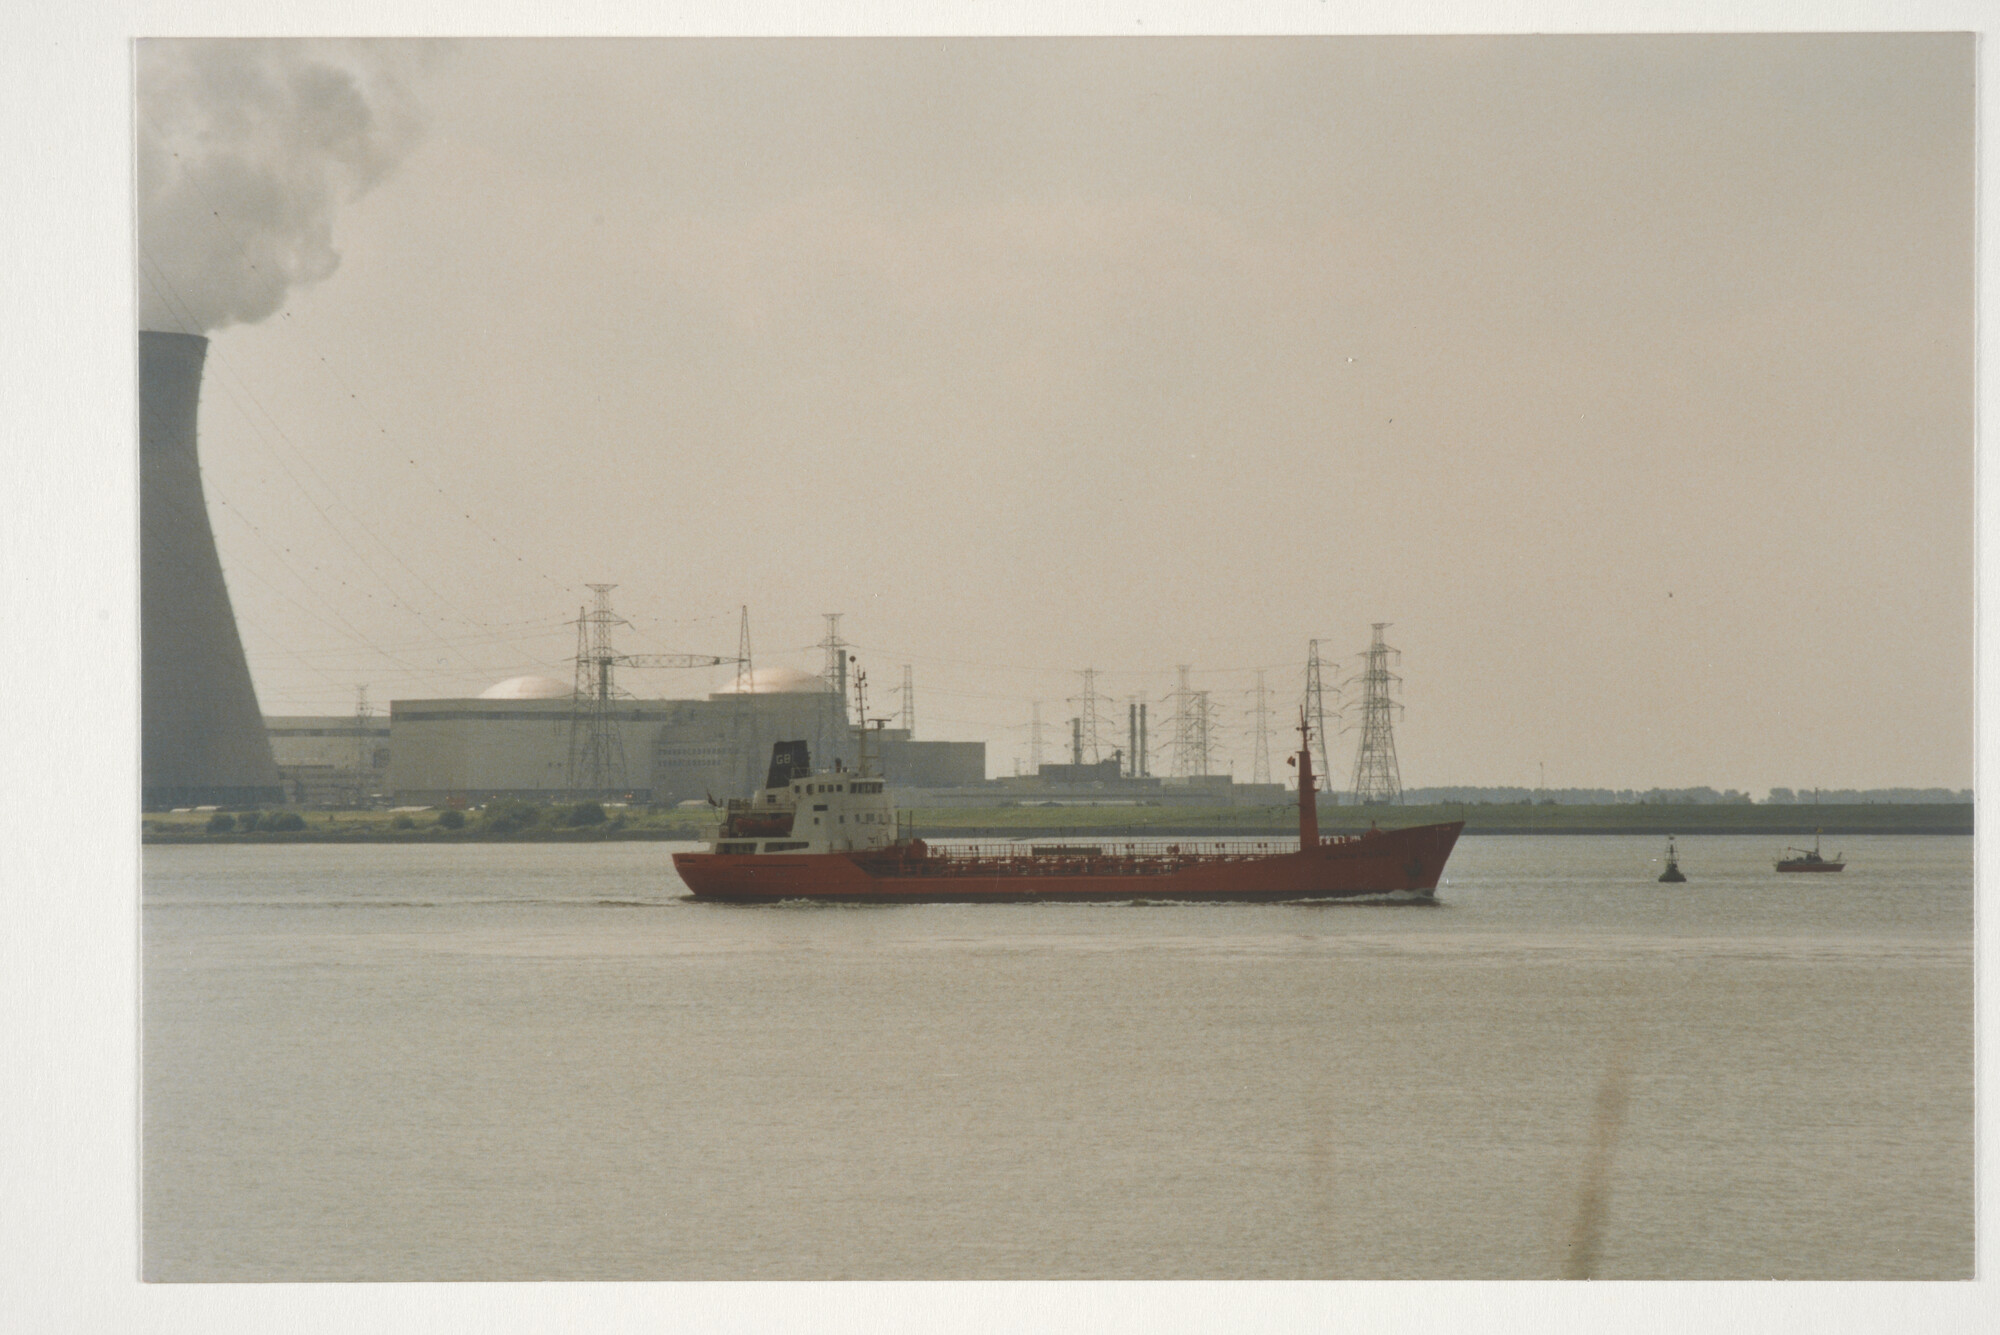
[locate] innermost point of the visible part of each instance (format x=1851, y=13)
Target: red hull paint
x=1382, y=862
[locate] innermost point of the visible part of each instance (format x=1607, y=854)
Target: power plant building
x=331, y=759
x=516, y=741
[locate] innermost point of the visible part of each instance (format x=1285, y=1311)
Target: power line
x=164, y=288
x=1088, y=718
x=1377, y=778
x=231, y=383
x=1260, y=758
x=1314, y=706
x=596, y=744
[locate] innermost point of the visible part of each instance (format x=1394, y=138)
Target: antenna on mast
x=865, y=762
x=1308, y=783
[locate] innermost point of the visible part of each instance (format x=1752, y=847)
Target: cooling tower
x=202, y=737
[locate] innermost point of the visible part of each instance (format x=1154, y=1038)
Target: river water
x=529, y=1061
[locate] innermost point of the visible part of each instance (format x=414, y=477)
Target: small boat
x=1810, y=859
x=1672, y=875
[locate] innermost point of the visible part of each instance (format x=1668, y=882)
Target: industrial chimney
x=202, y=738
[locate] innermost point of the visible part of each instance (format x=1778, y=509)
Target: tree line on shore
x=1585, y=797
x=495, y=818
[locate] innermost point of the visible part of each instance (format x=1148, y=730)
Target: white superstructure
x=830, y=812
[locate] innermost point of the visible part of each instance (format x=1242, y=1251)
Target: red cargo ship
x=834, y=837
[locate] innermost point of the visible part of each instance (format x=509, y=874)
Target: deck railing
x=1163, y=849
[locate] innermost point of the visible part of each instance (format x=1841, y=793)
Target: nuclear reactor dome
x=780, y=681
x=526, y=688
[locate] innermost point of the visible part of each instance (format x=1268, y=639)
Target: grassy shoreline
x=1127, y=823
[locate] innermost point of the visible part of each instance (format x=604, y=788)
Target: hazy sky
x=1629, y=378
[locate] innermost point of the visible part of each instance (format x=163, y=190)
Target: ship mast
x=1308, y=797
x=865, y=762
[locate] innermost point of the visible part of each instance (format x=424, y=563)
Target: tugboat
x=834, y=837
x=1810, y=860
x=1672, y=875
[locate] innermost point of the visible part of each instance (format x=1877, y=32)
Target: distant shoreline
x=1769, y=821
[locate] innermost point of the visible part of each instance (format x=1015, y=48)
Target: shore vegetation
x=589, y=821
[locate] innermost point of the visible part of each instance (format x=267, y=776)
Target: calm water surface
x=541, y=1062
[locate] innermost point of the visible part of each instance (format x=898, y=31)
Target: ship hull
x=1811, y=866
x=1393, y=864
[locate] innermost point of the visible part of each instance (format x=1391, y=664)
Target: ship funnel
x=201, y=735
x=789, y=761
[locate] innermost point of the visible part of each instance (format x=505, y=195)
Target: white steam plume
x=246, y=149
